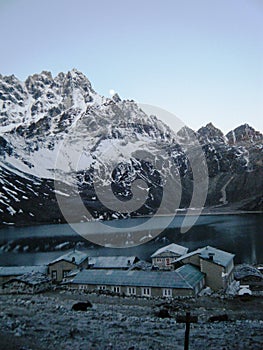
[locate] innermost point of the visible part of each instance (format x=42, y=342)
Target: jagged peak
x=185, y=130
x=186, y=135
x=75, y=71
x=246, y=127
x=47, y=74
x=76, y=74
x=210, y=128
x=243, y=133
x=40, y=76
x=10, y=79
x=210, y=134
x=77, y=77
x=116, y=98
x=44, y=77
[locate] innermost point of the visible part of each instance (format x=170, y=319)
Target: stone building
x=29, y=283
x=185, y=281
x=60, y=267
x=250, y=276
x=216, y=264
x=9, y=272
x=164, y=256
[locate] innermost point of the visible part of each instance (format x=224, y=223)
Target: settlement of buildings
x=185, y=274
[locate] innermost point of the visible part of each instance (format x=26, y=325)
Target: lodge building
x=163, y=257
x=216, y=264
x=60, y=267
x=185, y=281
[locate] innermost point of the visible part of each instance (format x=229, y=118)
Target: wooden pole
x=187, y=331
x=187, y=319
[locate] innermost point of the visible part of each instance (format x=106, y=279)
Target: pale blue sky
x=199, y=59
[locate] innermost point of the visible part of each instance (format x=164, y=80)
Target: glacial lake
x=241, y=234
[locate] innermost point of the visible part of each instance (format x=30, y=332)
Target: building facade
x=9, y=272
x=60, y=267
x=216, y=264
x=163, y=257
x=30, y=283
x=186, y=281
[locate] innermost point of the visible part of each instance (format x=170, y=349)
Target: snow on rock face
x=64, y=116
x=244, y=134
x=62, y=126
x=210, y=134
x=26, y=103
x=51, y=109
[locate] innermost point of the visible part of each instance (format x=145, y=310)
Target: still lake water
x=239, y=234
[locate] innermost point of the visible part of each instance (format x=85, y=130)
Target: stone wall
x=213, y=273
x=155, y=292
x=20, y=287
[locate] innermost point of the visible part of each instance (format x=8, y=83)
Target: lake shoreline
x=178, y=214
x=239, y=234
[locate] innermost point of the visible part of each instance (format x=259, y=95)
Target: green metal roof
x=186, y=277
x=191, y=274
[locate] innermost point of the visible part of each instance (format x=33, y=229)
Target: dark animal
x=163, y=313
x=218, y=318
x=82, y=306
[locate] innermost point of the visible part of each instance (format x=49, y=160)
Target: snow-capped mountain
x=61, y=128
x=234, y=165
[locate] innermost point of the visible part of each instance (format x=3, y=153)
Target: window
x=54, y=274
x=101, y=287
x=167, y=292
x=146, y=292
x=65, y=272
x=131, y=290
x=116, y=289
x=167, y=261
x=83, y=286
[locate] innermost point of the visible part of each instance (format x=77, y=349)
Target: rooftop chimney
x=211, y=256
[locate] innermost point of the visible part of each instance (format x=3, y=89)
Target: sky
x=200, y=60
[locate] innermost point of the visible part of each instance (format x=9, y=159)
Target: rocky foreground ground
x=47, y=321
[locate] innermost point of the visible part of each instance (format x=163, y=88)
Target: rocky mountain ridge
x=60, y=127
